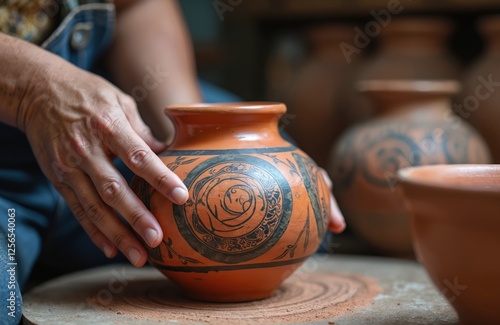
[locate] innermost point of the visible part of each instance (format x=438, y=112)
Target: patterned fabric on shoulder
x=34, y=20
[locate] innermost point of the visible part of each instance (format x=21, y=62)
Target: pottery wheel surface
x=121, y=294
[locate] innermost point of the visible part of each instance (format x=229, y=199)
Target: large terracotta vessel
x=414, y=126
x=455, y=221
x=319, y=91
x=413, y=48
x=258, y=206
x=478, y=102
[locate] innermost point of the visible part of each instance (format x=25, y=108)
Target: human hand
x=337, y=223
x=77, y=123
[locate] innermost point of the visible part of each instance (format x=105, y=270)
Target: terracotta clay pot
x=413, y=48
x=258, y=206
x=413, y=126
x=319, y=91
x=455, y=221
x=478, y=102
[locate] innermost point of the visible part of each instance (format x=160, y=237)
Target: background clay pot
x=258, y=206
x=478, y=102
x=455, y=219
x=414, y=126
x=413, y=48
x=320, y=90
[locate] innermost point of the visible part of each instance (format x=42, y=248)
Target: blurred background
x=370, y=86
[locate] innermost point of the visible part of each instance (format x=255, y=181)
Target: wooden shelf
x=292, y=9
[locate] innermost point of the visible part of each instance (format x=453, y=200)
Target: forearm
x=152, y=59
x=20, y=64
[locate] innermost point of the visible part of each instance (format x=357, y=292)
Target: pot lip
x=229, y=107
x=435, y=24
x=411, y=176
x=445, y=86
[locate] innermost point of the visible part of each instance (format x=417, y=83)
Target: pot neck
x=413, y=44
x=490, y=29
x=393, y=98
x=227, y=126
x=425, y=35
x=423, y=106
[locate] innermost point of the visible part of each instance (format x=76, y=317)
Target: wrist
x=24, y=70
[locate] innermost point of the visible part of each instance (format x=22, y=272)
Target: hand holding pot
x=77, y=123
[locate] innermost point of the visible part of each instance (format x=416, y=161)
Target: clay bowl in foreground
x=455, y=221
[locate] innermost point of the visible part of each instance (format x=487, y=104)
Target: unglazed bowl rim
x=243, y=107
x=410, y=175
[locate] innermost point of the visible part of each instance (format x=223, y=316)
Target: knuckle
x=95, y=213
x=162, y=181
x=78, y=211
x=135, y=218
x=64, y=175
x=128, y=103
x=78, y=148
x=93, y=232
x=118, y=238
x=105, y=124
x=139, y=158
x=112, y=191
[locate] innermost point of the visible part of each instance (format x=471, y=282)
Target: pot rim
x=230, y=107
x=428, y=24
x=427, y=177
x=444, y=86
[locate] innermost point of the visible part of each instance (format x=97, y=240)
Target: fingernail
x=108, y=250
x=151, y=236
x=134, y=256
x=179, y=195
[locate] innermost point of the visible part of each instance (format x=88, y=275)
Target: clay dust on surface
x=314, y=296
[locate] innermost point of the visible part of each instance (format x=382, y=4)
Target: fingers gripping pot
x=258, y=206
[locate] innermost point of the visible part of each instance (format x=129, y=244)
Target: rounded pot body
x=413, y=128
x=319, y=91
x=258, y=206
x=477, y=103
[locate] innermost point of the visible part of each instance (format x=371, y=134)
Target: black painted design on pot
x=239, y=207
x=455, y=146
x=291, y=166
x=143, y=191
x=180, y=161
x=236, y=267
x=385, y=155
x=156, y=253
x=311, y=177
x=290, y=249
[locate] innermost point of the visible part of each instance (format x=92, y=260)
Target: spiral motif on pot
x=455, y=145
x=385, y=155
x=239, y=207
